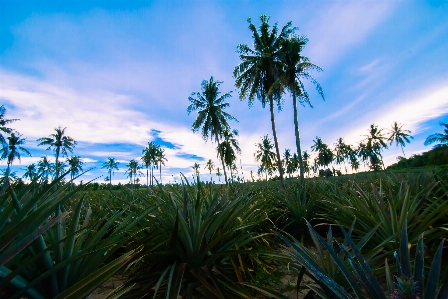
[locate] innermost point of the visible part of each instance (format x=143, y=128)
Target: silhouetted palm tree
x=375, y=142
x=75, y=166
x=229, y=147
x=341, y=152
x=110, y=165
x=296, y=68
x=210, y=166
x=441, y=138
x=218, y=173
x=149, y=160
x=265, y=156
x=3, y=123
x=260, y=68
x=399, y=136
x=60, y=144
x=45, y=169
x=30, y=172
x=324, y=154
x=211, y=119
x=133, y=171
x=11, y=151
x=160, y=160
x=196, y=167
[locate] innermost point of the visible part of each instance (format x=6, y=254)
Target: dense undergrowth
x=341, y=237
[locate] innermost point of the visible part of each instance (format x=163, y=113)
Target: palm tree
x=110, y=165
x=375, y=141
x=229, y=147
x=11, y=151
x=160, y=159
x=45, y=169
x=210, y=166
x=305, y=161
x=288, y=162
x=196, y=167
x=260, y=68
x=218, y=173
x=265, y=156
x=211, y=119
x=400, y=136
x=60, y=144
x=296, y=68
x=75, y=166
x=341, y=151
x=441, y=138
x=324, y=154
x=30, y=172
x=3, y=123
x=133, y=171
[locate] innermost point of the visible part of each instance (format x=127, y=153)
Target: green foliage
x=435, y=157
x=203, y=244
x=52, y=246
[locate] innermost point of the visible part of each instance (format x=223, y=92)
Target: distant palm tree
x=441, y=138
x=399, y=136
x=211, y=119
x=11, y=151
x=265, y=156
x=110, y=165
x=75, y=166
x=296, y=68
x=324, y=154
x=288, y=162
x=218, y=173
x=3, y=123
x=45, y=169
x=30, y=172
x=196, y=167
x=306, y=162
x=260, y=68
x=60, y=144
x=210, y=166
x=341, y=152
x=375, y=142
x=133, y=171
x=160, y=159
x=149, y=160
x=229, y=147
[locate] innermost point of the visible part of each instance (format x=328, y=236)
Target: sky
x=118, y=74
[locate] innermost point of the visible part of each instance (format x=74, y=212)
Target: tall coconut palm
x=75, y=166
x=260, y=68
x=324, y=154
x=399, y=136
x=160, y=160
x=196, y=168
x=441, y=138
x=210, y=166
x=341, y=151
x=45, y=169
x=30, y=172
x=375, y=142
x=296, y=69
x=3, y=123
x=212, y=121
x=60, y=144
x=265, y=156
x=288, y=162
x=229, y=147
x=132, y=171
x=149, y=160
x=110, y=165
x=218, y=173
x=306, y=162
x=11, y=151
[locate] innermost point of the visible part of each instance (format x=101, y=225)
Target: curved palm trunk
x=147, y=178
x=296, y=128
x=279, y=160
x=160, y=172
x=57, y=164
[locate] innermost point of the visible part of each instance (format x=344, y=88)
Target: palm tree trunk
x=279, y=160
x=110, y=179
x=296, y=127
x=147, y=177
x=222, y=161
x=160, y=171
x=57, y=164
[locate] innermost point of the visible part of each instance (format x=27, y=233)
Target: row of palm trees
x=368, y=151
x=272, y=66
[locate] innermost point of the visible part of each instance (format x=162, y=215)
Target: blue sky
x=118, y=74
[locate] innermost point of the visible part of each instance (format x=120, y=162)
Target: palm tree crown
x=265, y=156
x=211, y=119
x=59, y=143
x=110, y=165
x=261, y=66
x=441, y=138
x=3, y=123
x=399, y=136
